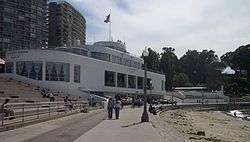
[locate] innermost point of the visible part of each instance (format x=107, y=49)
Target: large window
x=9, y=67
x=77, y=73
x=30, y=69
x=162, y=85
x=131, y=81
x=109, y=78
x=121, y=80
x=56, y=71
x=139, y=82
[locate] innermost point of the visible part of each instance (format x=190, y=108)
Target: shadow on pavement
x=133, y=124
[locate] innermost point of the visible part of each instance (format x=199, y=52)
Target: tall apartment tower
x=23, y=24
x=67, y=27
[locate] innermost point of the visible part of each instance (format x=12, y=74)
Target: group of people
x=92, y=102
x=114, y=105
x=152, y=109
x=47, y=94
x=68, y=102
x=137, y=102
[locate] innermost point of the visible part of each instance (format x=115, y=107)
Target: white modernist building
x=102, y=68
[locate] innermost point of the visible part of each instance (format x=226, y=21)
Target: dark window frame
x=107, y=80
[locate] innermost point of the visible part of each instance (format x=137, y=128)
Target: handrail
x=21, y=112
x=82, y=89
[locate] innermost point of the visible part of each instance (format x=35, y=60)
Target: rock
x=201, y=133
x=211, y=124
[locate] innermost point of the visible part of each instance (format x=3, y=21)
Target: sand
x=202, y=126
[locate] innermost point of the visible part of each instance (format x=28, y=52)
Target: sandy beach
x=202, y=126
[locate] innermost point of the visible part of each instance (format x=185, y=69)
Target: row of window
x=55, y=71
x=116, y=59
x=100, y=56
x=29, y=69
x=126, y=62
x=113, y=79
x=75, y=50
x=105, y=57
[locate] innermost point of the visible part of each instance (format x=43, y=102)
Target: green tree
x=168, y=65
x=236, y=86
x=181, y=79
x=152, y=60
x=239, y=60
x=227, y=58
x=197, y=65
x=189, y=64
x=214, y=78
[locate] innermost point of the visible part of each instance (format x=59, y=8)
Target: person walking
x=110, y=108
x=117, y=108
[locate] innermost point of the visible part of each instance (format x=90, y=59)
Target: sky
x=219, y=25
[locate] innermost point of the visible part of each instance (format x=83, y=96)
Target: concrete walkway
x=127, y=129
x=65, y=129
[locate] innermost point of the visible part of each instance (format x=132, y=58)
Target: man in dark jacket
x=110, y=108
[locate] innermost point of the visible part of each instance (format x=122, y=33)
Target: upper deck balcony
x=119, y=45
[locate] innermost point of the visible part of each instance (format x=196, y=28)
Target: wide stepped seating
x=20, y=92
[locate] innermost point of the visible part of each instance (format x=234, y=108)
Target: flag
x=107, y=19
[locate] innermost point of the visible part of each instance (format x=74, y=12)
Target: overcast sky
x=219, y=25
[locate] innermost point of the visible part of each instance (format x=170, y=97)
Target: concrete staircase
x=19, y=92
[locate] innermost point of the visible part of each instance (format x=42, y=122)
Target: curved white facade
x=92, y=72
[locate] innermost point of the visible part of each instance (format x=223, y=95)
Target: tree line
x=203, y=68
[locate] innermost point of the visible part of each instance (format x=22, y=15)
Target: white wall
x=92, y=71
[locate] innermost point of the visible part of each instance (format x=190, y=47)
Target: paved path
x=92, y=127
x=127, y=129
x=65, y=129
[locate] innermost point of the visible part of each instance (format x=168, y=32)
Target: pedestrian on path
x=110, y=108
x=117, y=108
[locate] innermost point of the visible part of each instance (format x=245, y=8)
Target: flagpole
x=110, y=27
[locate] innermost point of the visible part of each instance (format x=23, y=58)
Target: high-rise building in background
x=23, y=24
x=67, y=27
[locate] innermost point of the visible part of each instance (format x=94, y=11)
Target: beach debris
x=192, y=138
x=213, y=139
x=201, y=133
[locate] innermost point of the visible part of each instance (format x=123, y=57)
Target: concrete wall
x=206, y=101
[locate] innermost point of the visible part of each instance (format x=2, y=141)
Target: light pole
x=144, y=117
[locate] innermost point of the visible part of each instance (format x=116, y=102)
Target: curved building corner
x=67, y=27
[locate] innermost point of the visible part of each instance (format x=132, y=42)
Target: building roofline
x=72, y=7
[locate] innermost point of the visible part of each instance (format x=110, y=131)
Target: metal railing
x=14, y=113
